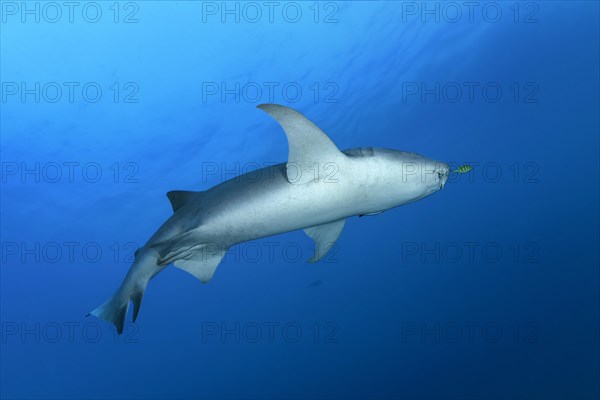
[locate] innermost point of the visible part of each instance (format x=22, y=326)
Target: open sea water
x=488, y=289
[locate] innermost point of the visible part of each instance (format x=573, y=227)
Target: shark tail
x=114, y=310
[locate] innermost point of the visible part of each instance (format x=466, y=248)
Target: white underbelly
x=282, y=210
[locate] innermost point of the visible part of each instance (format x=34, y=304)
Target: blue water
x=487, y=289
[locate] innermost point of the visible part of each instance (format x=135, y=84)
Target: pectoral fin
x=325, y=237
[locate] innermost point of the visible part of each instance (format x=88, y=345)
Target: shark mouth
x=443, y=176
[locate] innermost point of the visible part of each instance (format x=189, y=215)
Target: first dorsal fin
x=312, y=154
x=179, y=197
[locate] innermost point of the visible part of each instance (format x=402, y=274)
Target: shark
x=316, y=190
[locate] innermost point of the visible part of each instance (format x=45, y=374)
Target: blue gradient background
x=372, y=292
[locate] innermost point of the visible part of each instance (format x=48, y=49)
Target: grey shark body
x=316, y=190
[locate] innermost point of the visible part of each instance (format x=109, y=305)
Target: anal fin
x=202, y=262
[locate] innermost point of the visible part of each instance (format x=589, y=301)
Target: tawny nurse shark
x=316, y=190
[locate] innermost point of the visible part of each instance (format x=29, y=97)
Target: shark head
x=421, y=176
x=414, y=176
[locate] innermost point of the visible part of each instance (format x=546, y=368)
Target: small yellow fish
x=463, y=169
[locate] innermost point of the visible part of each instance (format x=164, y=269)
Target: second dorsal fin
x=180, y=197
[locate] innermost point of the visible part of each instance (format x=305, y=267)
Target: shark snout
x=442, y=170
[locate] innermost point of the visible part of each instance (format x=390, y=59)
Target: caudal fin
x=115, y=309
